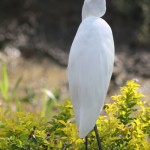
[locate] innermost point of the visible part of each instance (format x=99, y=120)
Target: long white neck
x=95, y=8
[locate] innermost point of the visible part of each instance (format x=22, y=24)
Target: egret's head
x=95, y=8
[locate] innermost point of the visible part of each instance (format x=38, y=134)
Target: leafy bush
x=125, y=125
x=21, y=131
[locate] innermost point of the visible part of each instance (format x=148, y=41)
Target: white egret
x=90, y=66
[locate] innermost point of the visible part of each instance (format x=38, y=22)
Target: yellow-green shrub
x=125, y=126
x=21, y=131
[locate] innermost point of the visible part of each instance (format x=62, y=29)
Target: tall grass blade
x=4, y=83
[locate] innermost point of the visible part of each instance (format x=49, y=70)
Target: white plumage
x=90, y=66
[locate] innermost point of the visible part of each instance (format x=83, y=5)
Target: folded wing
x=89, y=71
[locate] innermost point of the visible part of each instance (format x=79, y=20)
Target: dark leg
x=86, y=143
x=98, y=139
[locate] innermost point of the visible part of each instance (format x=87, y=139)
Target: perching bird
x=90, y=66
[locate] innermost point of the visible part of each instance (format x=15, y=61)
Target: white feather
x=89, y=71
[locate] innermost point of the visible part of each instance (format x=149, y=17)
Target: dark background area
x=46, y=28
x=53, y=23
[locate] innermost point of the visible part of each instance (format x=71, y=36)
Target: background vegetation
x=125, y=123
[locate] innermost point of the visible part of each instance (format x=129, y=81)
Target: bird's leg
x=86, y=143
x=98, y=138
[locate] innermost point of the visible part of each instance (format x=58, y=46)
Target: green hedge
x=125, y=126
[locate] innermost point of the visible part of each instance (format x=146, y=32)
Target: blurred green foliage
x=4, y=83
x=125, y=125
x=4, y=86
x=10, y=96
